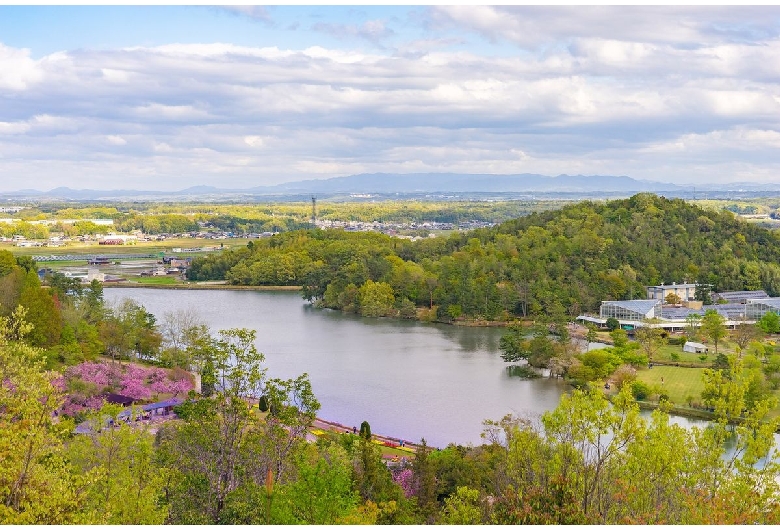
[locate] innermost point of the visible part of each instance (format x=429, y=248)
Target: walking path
x=333, y=426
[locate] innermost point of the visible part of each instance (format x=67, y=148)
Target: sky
x=164, y=98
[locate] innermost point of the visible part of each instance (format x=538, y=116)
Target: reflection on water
x=524, y=371
x=406, y=378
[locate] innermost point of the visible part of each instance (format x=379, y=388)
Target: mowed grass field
x=677, y=383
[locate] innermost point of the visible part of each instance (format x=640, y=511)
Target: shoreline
x=203, y=286
x=338, y=428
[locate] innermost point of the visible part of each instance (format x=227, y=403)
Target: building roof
x=119, y=399
x=739, y=296
x=678, y=313
x=674, y=286
x=638, y=306
x=771, y=302
x=695, y=344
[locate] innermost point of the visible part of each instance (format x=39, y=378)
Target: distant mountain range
x=414, y=184
x=471, y=183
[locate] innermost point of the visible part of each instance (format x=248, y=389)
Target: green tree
x=673, y=299
x=376, y=299
x=42, y=312
x=692, y=323
x=619, y=338
x=215, y=449
x=293, y=408
x=36, y=484
x=513, y=344
x=770, y=322
x=425, y=482
x=592, y=335
x=713, y=325
x=365, y=430
x=650, y=339
x=127, y=486
x=462, y=508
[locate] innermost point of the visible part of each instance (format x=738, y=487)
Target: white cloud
x=254, y=141
x=591, y=91
x=17, y=69
x=157, y=111
x=115, y=76
x=14, y=127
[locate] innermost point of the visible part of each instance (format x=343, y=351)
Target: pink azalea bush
x=59, y=383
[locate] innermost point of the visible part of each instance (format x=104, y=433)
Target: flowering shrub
x=59, y=383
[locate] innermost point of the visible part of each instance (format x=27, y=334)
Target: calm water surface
x=407, y=379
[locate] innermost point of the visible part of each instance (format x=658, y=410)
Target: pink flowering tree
x=84, y=383
x=405, y=479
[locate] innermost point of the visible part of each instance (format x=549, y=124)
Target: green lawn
x=677, y=383
x=665, y=354
x=156, y=280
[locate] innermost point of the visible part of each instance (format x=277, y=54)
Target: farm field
x=142, y=247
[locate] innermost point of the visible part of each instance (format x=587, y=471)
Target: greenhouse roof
x=638, y=306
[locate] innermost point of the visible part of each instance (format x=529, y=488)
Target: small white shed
x=695, y=347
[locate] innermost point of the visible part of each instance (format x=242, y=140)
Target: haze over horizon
x=171, y=97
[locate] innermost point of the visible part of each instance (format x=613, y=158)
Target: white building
x=686, y=291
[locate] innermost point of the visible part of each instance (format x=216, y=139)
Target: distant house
x=94, y=274
x=685, y=291
x=694, y=347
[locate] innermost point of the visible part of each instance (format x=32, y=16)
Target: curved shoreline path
x=335, y=427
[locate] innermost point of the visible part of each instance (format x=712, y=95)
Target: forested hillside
x=554, y=262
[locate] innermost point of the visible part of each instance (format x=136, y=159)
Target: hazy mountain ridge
x=414, y=183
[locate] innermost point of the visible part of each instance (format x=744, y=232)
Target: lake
x=408, y=379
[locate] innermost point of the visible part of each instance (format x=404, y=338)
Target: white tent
x=695, y=347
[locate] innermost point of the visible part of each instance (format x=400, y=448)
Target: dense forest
x=555, y=262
